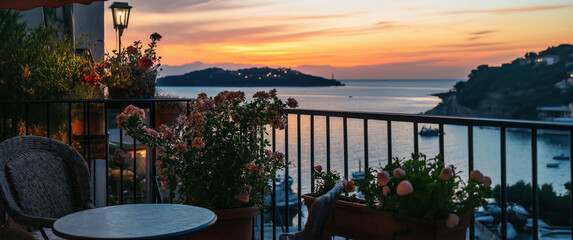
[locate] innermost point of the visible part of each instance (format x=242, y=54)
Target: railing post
x=345, y=140
x=327, y=143
x=416, y=140
x=471, y=168
x=286, y=173
x=534, y=183
x=312, y=153
x=299, y=171
x=389, y=135
x=365, y=145
x=503, y=194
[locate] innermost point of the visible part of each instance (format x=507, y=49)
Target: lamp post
x=120, y=13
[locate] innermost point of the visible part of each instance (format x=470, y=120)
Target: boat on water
x=553, y=165
x=554, y=234
x=358, y=175
x=562, y=157
x=282, y=188
x=429, y=131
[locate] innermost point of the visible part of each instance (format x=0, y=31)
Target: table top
x=134, y=221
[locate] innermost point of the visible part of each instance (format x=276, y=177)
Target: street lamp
x=120, y=12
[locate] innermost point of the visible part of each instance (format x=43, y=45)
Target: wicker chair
x=42, y=180
x=14, y=234
x=317, y=216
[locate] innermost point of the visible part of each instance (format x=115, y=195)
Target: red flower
x=146, y=63
x=132, y=50
x=291, y=102
x=155, y=37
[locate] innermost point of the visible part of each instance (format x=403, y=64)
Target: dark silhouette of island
x=249, y=77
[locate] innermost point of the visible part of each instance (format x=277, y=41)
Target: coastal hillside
x=513, y=90
x=247, y=77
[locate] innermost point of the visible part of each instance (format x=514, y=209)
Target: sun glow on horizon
x=346, y=34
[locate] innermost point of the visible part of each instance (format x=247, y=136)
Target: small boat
x=554, y=234
x=529, y=224
x=358, y=175
x=511, y=233
x=429, y=131
x=562, y=157
x=553, y=165
x=282, y=187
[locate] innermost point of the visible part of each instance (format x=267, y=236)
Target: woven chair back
x=42, y=180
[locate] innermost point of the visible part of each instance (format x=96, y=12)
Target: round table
x=134, y=221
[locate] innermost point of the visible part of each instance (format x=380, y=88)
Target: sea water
x=401, y=96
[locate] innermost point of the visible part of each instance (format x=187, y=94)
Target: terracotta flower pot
x=352, y=220
x=234, y=223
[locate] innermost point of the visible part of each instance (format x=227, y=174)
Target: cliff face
x=515, y=89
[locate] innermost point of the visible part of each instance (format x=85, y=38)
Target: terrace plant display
x=130, y=73
x=416, y=198
x=215, y=156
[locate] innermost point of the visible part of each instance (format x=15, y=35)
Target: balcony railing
x=333, y=138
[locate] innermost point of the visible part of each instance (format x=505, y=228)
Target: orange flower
x=182, y=147
x=197, y=143
x=244, y=193
x=349, y=187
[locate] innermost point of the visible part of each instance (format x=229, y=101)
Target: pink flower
x=268, y=153
x=273, y=92
x=145, y=62
x=132, y=50
x=349, y=187
x=182, y=147
x=446, y=173
x=291, y=102
x=404, y=188
x=383, y=178
x=486, y=181
x=151, y=132
x=279, y=156
x=198, y=143
x=119, y=158
x=318, y=168
x=399, y=173
x=133, y=110
x=477, y=176
x=181, y=119
x=386, y=190
x=261, y=94
x=453, y=220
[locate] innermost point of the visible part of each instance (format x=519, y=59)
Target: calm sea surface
x=401, y=96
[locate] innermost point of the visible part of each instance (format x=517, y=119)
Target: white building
x=88, y=19
x=555, y=113
x=547, y=60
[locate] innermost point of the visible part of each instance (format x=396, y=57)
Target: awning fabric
x=22, y=5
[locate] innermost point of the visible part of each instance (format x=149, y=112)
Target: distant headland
x=513, y=90
x=249, y=77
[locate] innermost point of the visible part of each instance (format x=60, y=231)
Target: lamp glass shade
x=120, y=11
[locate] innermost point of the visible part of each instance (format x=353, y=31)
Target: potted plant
x=216, y=157
x=416, y=198
x=130, y=73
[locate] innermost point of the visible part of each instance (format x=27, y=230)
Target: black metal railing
x=415, y=120
x=57, y=117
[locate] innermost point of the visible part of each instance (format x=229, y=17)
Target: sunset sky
x=367, y=38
